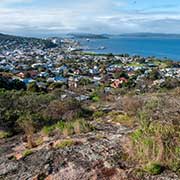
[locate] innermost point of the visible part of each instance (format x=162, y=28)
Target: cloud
x=97, y=16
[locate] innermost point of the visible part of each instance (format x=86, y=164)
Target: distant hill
x=5, y=38
x=150, y=35
x=12, y=37
x=88, y=36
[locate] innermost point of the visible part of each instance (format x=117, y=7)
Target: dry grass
x=131, y=105
x=65, y=143
x=157, y=142
x=68, y=128
x=124, y=120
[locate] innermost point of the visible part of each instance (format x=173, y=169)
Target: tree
x=26, y=123
x=18, y=85
x=154, y=74
x=33, y=87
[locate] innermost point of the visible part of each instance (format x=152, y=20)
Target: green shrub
x=157, y=142
x=95, y=98
x=27, y=124
x=33, y=87
x=47, y=130
x=154, y=168
x=4, y=134
x=98, y=114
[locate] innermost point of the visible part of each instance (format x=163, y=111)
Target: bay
x=158, y=47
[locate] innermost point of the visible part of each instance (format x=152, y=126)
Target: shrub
x=55, y=86
x=156, y=142
x=131, y=105
x=33, y=87
x=154, y=168
x=4, y=134
x=98, y=114
x=47, y=130
x=154, y=74
x=95, y=98
x=66, y=110
x=26, y=123
x=97, y=94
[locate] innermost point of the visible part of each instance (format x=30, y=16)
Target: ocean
x=158, y=47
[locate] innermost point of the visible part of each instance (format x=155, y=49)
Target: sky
x=53, y=17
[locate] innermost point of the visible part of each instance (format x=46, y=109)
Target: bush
x=26, y=123
x=156, y=142
x=66, y=110
x=98, y=114
x=154, y=168
x=95, y=98
x=53, y=86
x=33, y=87
x=131, y=105
x=4, y=134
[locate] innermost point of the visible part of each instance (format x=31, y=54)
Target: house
x=21, y=75
x=118, y=82
x=43, y=74
x=28, y=80
x=72, y=82
x=60, y=79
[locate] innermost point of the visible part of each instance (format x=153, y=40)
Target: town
x=47, y=64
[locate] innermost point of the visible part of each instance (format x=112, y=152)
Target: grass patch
x=95, y=98
x=4, y=134
x=65, y=143
x=69, y=128
x=134, y=64
x=124, y=120
x=156, y=142
x=98, y=114
x=39, y=141
x=27, y=153
x=154, y=168
x=47, y=130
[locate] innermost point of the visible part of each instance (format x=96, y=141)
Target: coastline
x=136, y=46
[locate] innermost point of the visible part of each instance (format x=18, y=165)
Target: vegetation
x=68, y=128
x=27, y=124
x=10, y=84
x=123, y=119
x=98, y=114
x=65, y=143
x=156, y=143
x=4, y=134
x=29, y=111
x=153, y=168
x=27, y=153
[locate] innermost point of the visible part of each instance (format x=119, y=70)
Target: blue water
x=158, y=47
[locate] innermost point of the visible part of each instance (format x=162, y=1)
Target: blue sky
x=51, y=17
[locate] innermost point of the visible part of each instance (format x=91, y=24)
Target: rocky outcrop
x=97, y=155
